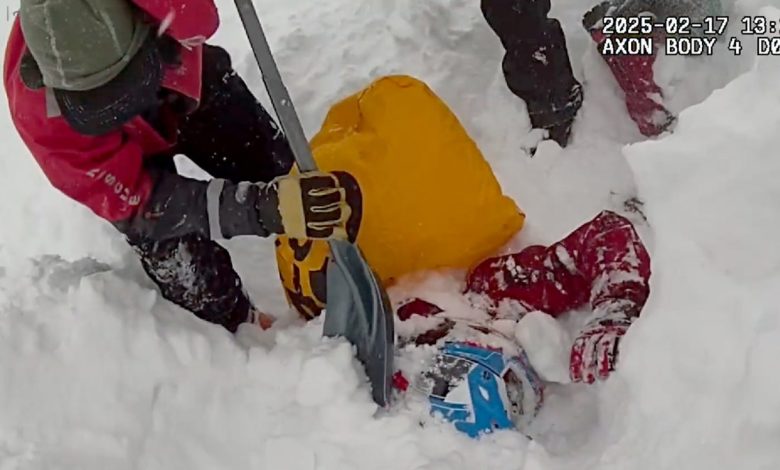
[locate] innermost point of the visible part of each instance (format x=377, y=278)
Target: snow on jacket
x=106, y=173
x=602, y=265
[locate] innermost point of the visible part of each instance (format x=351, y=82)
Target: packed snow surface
x=98, y=372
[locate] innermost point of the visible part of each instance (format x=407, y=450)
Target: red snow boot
x=634, y=74
x=644, y=98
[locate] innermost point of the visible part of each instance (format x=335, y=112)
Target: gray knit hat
x=98, y=56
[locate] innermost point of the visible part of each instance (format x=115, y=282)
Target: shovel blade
x=358, y=309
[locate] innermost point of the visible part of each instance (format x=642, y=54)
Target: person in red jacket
x=105, y=93
x=602, y=268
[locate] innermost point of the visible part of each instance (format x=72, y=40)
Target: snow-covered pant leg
x=602, y=263
x=197, y=274
x=644, y=98
x=231, y=135
x=635, y=75
x=536, y=65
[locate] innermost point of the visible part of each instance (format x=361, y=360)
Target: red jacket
x=602, y=265
x=106, y=173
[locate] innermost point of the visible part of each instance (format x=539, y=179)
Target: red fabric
x=188, y=21
x=417, y=307
x=602, y=262
x=105, y=173
x=635, y=76
x=186, y=78
x=400, y=382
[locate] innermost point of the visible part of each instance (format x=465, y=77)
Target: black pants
x=536, y=65
x=230, y=136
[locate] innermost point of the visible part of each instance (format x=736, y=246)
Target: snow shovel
x=357, y=307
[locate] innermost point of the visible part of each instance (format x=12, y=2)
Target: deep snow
x=97, y=371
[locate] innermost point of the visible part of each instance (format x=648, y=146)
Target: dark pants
x=230, y=136
x=536, y=65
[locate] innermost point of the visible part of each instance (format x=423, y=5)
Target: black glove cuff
x=248, y=209
x=267, y=206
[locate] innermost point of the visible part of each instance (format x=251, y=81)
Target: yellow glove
x=312, y=205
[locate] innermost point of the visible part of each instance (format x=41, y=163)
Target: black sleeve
x=217, y=209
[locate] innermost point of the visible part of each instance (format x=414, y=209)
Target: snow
x=97, y=371
x=547, y=343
